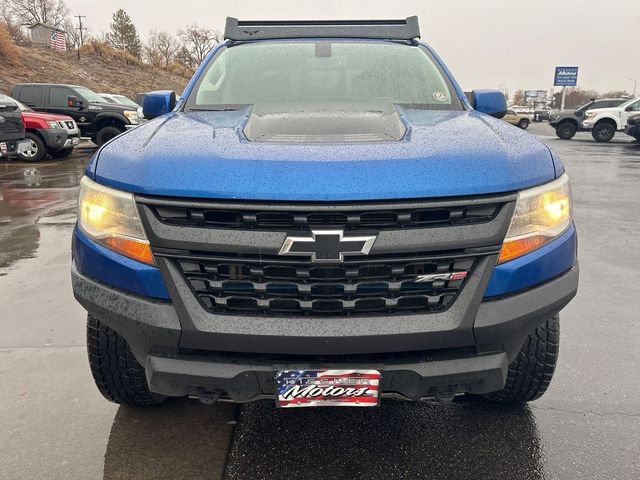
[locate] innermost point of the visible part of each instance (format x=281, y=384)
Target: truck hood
x=207, y=155
x=53, y=117
x=604, y=111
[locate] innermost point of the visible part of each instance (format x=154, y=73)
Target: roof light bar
x=240, y=30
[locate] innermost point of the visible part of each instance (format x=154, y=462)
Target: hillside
x=101, y=74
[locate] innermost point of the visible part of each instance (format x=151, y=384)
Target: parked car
x=122, y=100
x=605, y=122
x=633, y=127
x=541, y=115
x=517, y=119
x=96, y=119
x=140, y=98
x=568, y=122
x=12, y=140
x=324, y=222
x=47, y=133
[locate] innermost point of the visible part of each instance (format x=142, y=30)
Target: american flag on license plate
x=58, y=41
x=315, y=388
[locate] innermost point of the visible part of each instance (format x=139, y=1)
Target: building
x=42, y=35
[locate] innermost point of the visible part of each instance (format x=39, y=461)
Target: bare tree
x=616, y=94
x=150, y=50
x=198, y=42
x=518, y=98
x=28, y=12
x=183, y=57
x=73, y=34
x=161, y=48
x=168, y=45
x=11, y=24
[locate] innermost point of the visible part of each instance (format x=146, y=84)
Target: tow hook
x=208, y=397
x=445, y=394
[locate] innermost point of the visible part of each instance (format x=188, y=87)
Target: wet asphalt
x=55, y=425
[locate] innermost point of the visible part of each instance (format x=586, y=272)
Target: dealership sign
x=566, y=77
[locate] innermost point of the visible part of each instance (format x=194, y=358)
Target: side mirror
x=158, y=103
x=491, y=102
x=629, y=108
x=74, y=102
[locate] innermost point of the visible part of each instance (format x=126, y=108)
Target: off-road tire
x=531, y=372
x=603, y=132
x=64, y=153
x=566, y=130
x=40, y=151
x=523, y=124
x=118, y=375
x=105, y=134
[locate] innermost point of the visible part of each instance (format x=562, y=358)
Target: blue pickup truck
x=324, y=218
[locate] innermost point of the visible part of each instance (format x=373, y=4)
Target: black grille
x=269, y=285
x=288, y=220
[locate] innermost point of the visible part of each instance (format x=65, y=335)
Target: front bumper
x=13, y=148
x=633, y=130
x=439, y=353
x=71, y=142
x=54, y=138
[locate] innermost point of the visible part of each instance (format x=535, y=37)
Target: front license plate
x=327, y=388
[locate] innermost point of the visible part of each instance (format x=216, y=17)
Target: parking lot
x=57, y=425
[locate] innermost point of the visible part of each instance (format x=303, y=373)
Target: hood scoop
x=333, y=123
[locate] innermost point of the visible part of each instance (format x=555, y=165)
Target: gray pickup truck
x=568, y=122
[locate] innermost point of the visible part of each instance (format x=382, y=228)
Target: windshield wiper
x=232, y=108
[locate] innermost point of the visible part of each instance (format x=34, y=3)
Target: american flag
x=58, y=41
x=306, y=388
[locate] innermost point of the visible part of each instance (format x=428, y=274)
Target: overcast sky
x=486, y=43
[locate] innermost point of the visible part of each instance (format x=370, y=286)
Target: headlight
x=589, y=115
x=542, y=214
x=53, y=124
x=110, y=218
x=132, y=115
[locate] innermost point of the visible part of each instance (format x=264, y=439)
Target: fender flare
x=610, y=119
x=111, y=115
x=573, y=120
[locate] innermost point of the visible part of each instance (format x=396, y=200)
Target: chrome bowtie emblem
x=327, y=246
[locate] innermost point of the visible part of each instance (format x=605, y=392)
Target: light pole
x=635, y=84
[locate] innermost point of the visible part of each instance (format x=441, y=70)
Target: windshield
x=126, y=101
x=89, y=95
x=323, y=73
x=585, y=106
x=8, y=99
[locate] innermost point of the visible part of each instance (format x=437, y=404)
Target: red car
x=47, y=133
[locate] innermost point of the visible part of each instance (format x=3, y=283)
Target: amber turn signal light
x=134, y=249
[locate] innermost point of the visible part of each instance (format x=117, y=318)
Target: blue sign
x=566, y=77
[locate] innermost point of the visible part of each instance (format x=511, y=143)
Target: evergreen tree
x=123, y=34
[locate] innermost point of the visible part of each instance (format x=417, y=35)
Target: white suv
x=604, y=122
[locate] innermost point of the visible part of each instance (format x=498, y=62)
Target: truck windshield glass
x=126, y=101
x=89, y=95
x=317, y=73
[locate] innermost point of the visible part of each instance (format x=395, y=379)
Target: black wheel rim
x=604, y=133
